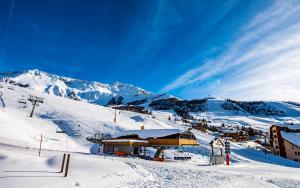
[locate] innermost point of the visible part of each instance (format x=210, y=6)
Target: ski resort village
x=57, y=131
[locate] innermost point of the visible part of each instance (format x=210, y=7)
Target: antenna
x=34, y=100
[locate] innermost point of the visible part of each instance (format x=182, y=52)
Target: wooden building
x=285, y=141
x=234, y=135
x=200, y=125
x=135, y=142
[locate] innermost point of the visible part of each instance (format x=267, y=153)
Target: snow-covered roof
x=293, y=138
x=196, y=121
x=148, y=133
x=294, y=127
x=291, y=127
x=216, y=141
x=230, y=131
x=126, y=140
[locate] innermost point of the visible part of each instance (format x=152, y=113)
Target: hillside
x=260, y=114
x=20, y=136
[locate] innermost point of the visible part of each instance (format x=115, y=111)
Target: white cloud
x=263, y=63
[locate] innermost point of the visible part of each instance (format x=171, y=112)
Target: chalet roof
x=293, y=138
x=150, y=133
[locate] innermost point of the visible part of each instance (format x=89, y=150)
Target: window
x=292, y=147
x=274, y=131
x=298, y=152
x=277, y=152
x=295, y=152
x=275, y=136
x=276, y=147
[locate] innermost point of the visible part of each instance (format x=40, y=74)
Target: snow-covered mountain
x=88, y=91
x=249, y=113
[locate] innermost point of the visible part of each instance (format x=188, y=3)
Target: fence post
x=67, y=165
x=63, y=164
x=40, y=145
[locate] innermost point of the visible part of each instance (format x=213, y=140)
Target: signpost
x=227, y=151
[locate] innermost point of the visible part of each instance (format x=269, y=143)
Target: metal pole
x=227, y=159
x=63, y=163
x=115, y=119
x=3, y=104
x=40, y=145
x=67, y=165
x=34, y=103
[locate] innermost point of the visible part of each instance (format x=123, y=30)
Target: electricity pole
x=34, y=100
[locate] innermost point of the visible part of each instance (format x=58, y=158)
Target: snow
x=99, y=93
x=199, y=174
x=217, y=115
x=84, y=171
x=89, y=91
x=20, y=165
x=293, y=138
x=150, y=133
x=126, y=140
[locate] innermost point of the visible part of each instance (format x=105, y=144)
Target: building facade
x=285, y=141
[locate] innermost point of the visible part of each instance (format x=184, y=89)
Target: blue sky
x=189, y=48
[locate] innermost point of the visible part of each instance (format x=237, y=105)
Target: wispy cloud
x=7, y=31
x=265, y=55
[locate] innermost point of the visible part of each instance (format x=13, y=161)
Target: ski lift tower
x=35, y=100
x=1, y=99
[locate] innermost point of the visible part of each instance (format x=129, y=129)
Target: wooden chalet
x=234, y=135
x=200, y=125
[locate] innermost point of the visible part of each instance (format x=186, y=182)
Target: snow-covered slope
x=217, y=114
x=78, y=119
x=260, y=114
x=89, y=91
x=20, y=137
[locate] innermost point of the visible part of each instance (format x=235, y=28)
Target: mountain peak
x=89, y=91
